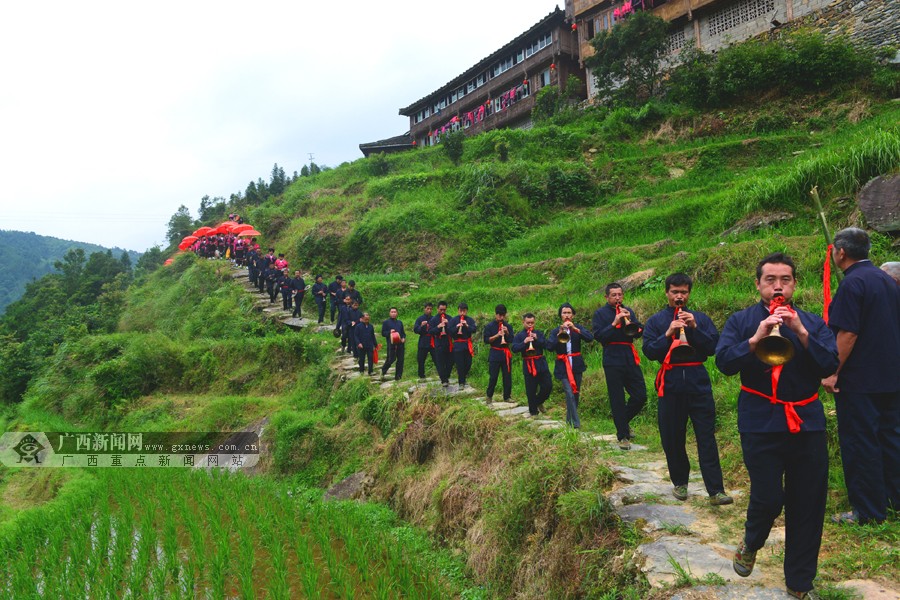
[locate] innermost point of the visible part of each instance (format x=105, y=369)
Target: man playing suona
x=530, y=343
x=461, y=329
x=498, y=334
x=570, y=365
x=781, y=420
x=616, y=327
x=684, y=389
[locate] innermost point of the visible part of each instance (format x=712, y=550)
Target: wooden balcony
x=678, y=8
x=582, y=6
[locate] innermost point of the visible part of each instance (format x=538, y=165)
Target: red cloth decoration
x=375, y=354
x=826, y=284
x=570, y=375
x=637, y=359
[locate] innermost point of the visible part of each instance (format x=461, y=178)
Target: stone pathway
x=684, y=538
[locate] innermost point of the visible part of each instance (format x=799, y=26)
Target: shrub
x=452, y=144
x=773, y=122
x=379, y=165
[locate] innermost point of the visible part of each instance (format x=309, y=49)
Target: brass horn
x=564, y=336
x=628, y=328
x=683, y=352
x=775, y=349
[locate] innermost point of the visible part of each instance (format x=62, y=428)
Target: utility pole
x=310, y=158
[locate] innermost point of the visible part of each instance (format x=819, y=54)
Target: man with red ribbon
x=426, y=340
x=461, y=328
x=781, y=422
x=569, y=364
x=538, y=382
x=498, y=334
x=684, y=390
x=621, y=363
x=865, y=317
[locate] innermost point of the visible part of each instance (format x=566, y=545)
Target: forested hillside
x=27, y=256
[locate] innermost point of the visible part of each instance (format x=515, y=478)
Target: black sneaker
x=680, y=492
x=720, y=499
x=744, y=560
x=810, y=595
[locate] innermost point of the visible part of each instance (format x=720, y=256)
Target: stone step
x=513, y=412
x=696, y=559
x=656, y=516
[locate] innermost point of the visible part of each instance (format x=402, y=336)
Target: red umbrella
x=203, y=231
x=224, y=223
x=190, y=239
x=168, y=262
x=241, y=228
x=249, y=233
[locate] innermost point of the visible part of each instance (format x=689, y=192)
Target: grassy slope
x=193, y=355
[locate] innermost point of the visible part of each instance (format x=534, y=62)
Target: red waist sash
x=570, y=375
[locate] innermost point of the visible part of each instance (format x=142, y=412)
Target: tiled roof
x=484, y=63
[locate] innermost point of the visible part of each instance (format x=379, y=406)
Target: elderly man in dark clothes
x=865, y=317
x=781, y=421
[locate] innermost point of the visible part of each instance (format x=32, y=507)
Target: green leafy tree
x=452, y=143
x=180, y=225
x=627, y=58
x=304, y=171
x=278, y=182
x=71, y=267
x=314, y=169
x=211, y=209
x=149, y=261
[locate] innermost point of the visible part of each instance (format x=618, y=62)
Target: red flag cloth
x=569, y=373
x=826, y=284
x=375, y=354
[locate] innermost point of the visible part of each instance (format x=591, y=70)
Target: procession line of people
x=780, y=417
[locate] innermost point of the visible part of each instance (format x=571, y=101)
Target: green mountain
x=25, y=256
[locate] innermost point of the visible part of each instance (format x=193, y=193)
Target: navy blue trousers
x=869, y=433
x=444, y=361
x=789, y=471
x=537, y=390
x=672, y=417
x=494, y=371
x=421, y=355
x=463, y=361
x=619, y=380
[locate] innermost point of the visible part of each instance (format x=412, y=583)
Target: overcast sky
x=112, y=114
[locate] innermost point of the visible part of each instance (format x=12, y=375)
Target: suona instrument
x=683, y=352
x=628, y=328
x=775, y=349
